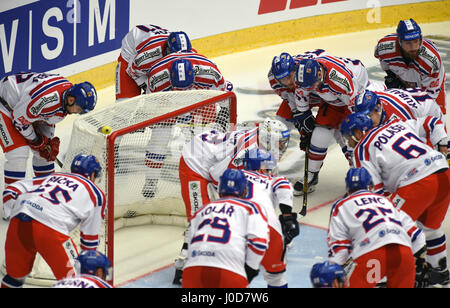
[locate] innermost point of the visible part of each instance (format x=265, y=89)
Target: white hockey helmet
x=274, y=136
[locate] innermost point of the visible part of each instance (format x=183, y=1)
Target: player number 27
x=217, y=223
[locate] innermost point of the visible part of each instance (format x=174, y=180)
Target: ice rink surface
x=144, y=255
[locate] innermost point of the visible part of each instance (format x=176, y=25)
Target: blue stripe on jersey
x=248, y=203
x=366, y=139
x=246, y=139
x=46, y=87
x=397, y=106
x=93, y=187
x=152, y=42
x=15, y=174
x=338, y=64
x=280, y=183
x=416, y=234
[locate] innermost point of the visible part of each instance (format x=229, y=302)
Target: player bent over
x=271, y=191
x=416, y=175
x=227, y=238
x=94, y=270
x=43, y=212
x=144, y=43
x=209, y=154
x=30, y=106
x=381, y=238
x=411, y=61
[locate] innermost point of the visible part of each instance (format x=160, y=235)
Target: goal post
x=140, y=156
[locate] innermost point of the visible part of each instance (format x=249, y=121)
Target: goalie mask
x=274, y=137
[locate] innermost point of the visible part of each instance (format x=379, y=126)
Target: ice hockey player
x=179, y=71
x=416, y=176
x=43, y=211
x=93, y=271
x=381, y=239
x=144, y=43
x=385, y=106
x=30, y=106
x=412, y=61
x=336, y=81
x=270, y=192
x=227, y=238
x=209, y=154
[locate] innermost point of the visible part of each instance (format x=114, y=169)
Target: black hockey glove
x=392, y=81
x=423, y=269
x=304, y=121
x=289, y=226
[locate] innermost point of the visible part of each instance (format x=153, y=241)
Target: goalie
x=209, y=154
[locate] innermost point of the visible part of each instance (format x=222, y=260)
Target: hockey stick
x=305, y=182
x=59, y=163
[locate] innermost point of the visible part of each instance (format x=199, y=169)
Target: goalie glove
x=289, y=226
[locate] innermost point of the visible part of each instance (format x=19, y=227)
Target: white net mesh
x=146, y=186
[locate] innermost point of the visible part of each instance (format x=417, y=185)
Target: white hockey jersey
x=228, y=233
x=209, y=154
x=395, y=154
x=363, y=222
x=140, y=37
x=269, y=191
x=61, y=201
x=33, y=97
x=82, y=282
x=426, y=72
x=408, y=104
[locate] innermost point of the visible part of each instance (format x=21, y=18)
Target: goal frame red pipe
x=109, y=238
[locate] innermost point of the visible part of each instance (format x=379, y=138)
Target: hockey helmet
x=307, y=73
x=181, y=73
x=357, y=178
x=178, y=41
x=408, y=30
x=366, y=102
x=86, y=165
x=354, y=121
x=323, y=274
x=282, y=65
x=88, y=261
x=85, y=95
x=232, y=183
x=274, y=136
x=257, y=159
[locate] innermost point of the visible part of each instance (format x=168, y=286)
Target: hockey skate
x=150, y=188
x=298, y=186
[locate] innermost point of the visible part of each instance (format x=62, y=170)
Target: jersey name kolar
x=223, y=210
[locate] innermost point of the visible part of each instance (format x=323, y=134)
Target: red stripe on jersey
x=153, y=38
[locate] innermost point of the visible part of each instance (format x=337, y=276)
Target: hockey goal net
x=140, y=156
